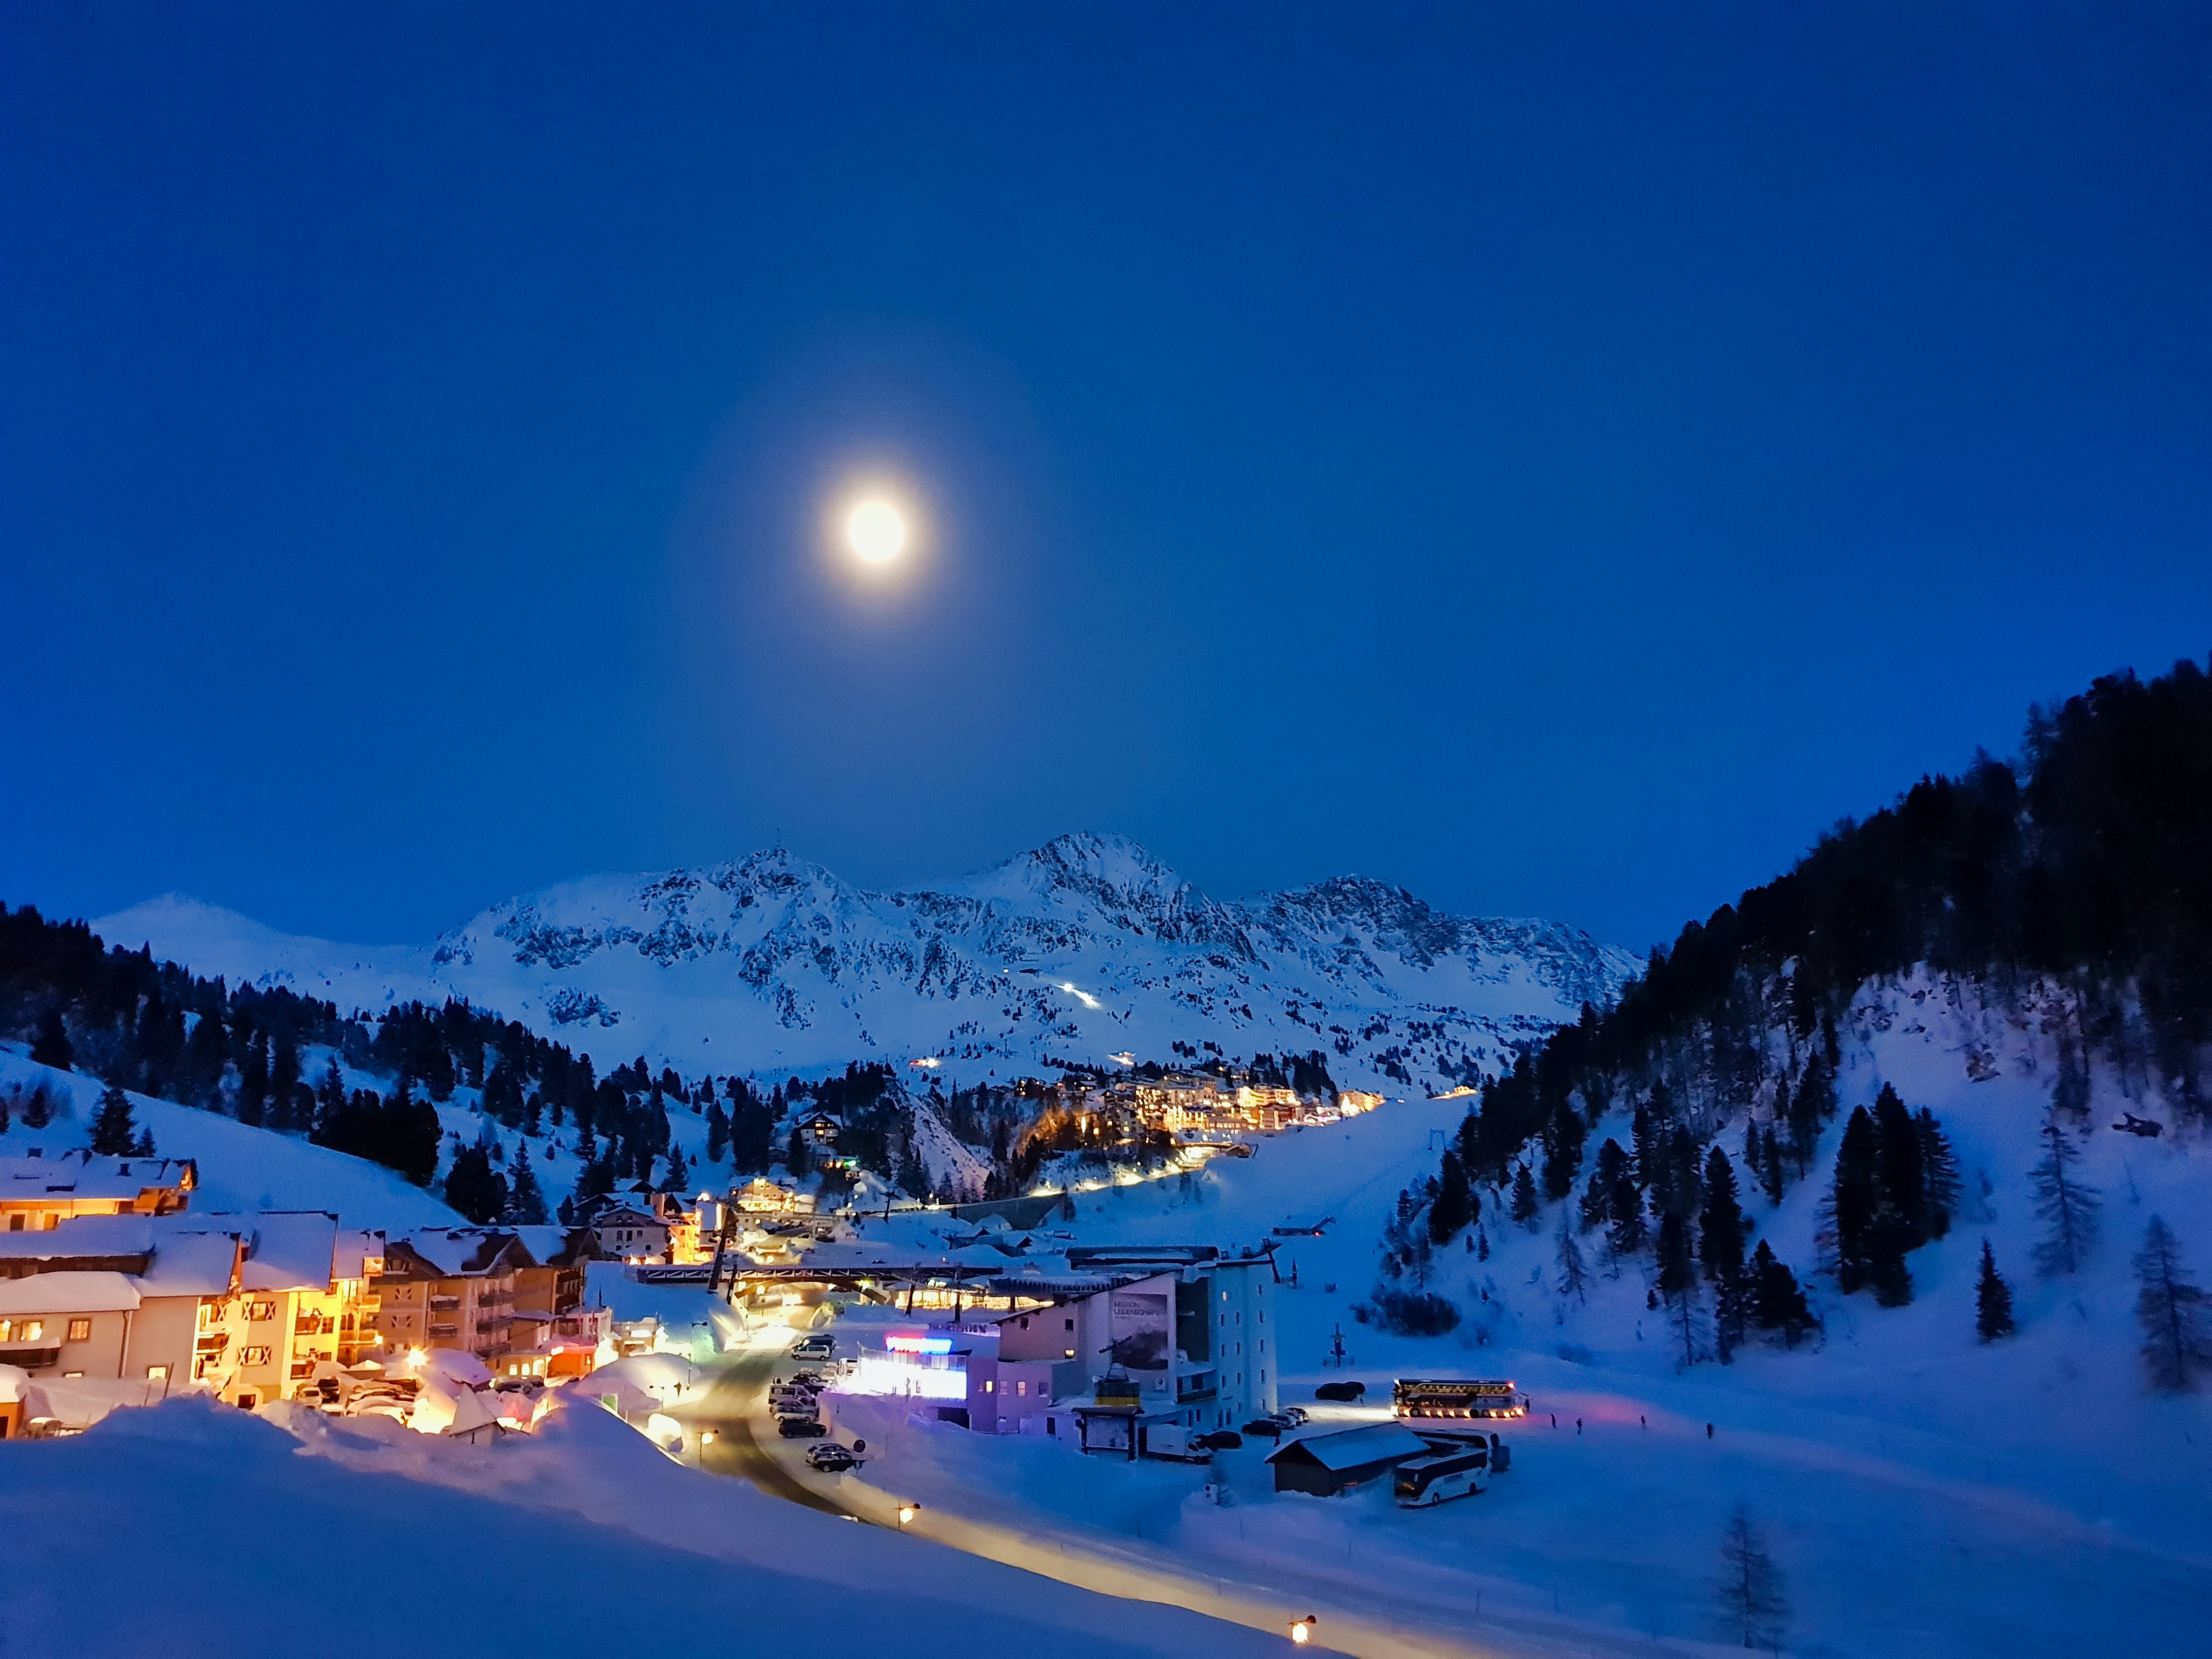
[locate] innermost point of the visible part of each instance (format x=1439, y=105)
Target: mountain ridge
x=1086, y=946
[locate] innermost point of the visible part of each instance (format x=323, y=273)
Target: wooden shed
x=1325, y=1464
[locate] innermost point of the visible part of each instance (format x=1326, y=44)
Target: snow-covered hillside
x=1081, y=949
x=585, y=1499
x=1924, y=1492
x=240, y=1168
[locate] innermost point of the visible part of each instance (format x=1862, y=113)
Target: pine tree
x=1453, y=1207
x=794, y=1155
x=144, y=1147
x=1856, y=1201
x=1719, y=1222
x=1939, y=1168
x=253, y=1080
x=1678, y=1286
x=1643, y=1145
x=474, y=1187
x=1810, y=1108
x=1754, y=1606
x=283, y=1079
x=1750, y=1150
x=52, y=1046
x=1776, y=1301
x=1992, y=1300
x=329, y=1101
x=679, y=1173
x=6, y=1100
x=1524, y=1196
x=526, y=1199
x=1904, y=1180
x=1770, y=1175
x=1571, y=1274
x=718, y=1132
x=1481, y=1245
x=1627, y=1234
x=112, y=1132
x=2066, y=1206
x=2177, y=1341
x=1610, y=1169
x=39, y=1108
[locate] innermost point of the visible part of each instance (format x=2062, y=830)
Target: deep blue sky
x=1557, y=459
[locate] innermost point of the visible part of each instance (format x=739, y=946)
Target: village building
x=450, y=1288
x=37, y=1193
x=632, y=1232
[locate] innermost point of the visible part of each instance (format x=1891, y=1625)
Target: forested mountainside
x=1928, y=1020
x=542, y=1116
x=1078, y=951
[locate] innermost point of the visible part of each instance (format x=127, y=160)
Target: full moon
x=876, y=531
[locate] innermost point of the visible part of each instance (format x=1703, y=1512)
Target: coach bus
x=1444, y=1400
x=1422, y=1482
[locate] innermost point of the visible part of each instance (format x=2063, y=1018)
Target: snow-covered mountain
x=1082, y=949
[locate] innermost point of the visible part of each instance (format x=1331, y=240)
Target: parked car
x=801, y=1428
x=817, y=1347
x=1294, y=1415
x=807, y=1379
x=1222, y=1440
x=1269, y=1428
x=1348, y=1391
x=831, y=1458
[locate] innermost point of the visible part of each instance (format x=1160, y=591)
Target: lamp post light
x=907, y=1512
x=1301, y=1630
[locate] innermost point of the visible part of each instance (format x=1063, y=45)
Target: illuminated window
x=1021, y=1386
x=80, y=1330
x=157, y=1373
x=258, y=1311
x=254, y=1355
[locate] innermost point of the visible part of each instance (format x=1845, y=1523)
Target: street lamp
x=1301, y=1630
x=907, y=1512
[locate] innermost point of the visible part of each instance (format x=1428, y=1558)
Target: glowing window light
x=897, y=1344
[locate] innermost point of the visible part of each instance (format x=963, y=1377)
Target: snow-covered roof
x=83, y=1235
x=192, y=1264
x=86, y=1174
x=356, y=1249
x=1351, y=1448
x=461, y=1252
x=286, y=1249
x=68, y=1293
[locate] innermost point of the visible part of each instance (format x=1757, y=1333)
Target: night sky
x=1559, y=459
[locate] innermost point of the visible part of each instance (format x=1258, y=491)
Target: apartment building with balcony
x=453, y=1288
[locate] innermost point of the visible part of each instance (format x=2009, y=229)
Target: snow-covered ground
x=203, y=1532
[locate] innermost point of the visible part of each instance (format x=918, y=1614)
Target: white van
x=1421, y=1482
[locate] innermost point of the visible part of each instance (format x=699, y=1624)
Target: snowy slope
x=1924, y=1494
x=1079, y=950
x=240, y=1168
x=584, y=1503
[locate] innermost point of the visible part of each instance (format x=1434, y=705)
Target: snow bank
x=250, y=1533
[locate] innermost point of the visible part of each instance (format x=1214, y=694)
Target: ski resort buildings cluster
x=114, y=1290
